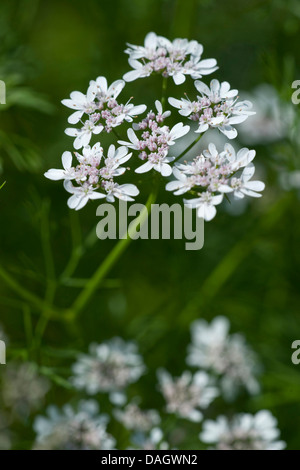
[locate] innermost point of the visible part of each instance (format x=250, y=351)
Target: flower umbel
x=94, y=175
x=243, y=432
x=110, y=367
x=170, y=59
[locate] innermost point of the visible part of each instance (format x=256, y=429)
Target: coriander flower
x=101, y=108
x=70, y=429
x=81, y=103
x=170, y=59
x=212, y=174
x=109, y=367
x=134, y=418
x=227, y=356
x=84, y=134
x=23, y=388
x=94, y=175
x=243, y=432
x=242, y=186
x=217, y=107
x=154, y=141
x=205, y=205
x=185, y=394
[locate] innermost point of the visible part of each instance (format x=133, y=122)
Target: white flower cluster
x=243, y=432
x=208, y=177
x=109, y=367
x=185, y=394
x=225, y=364
x=70, y=429
x=155, y=141
x=23, y=389
x=134, y=418
x=94, y=175
x=217, y=107
x=170, y=59
x=212, y=174
x=226, y=356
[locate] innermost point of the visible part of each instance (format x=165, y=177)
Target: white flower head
x=109, y=367
x=205, y=205
x=186, y=394
x=94, y=175
x=226, y=356
x=212, y=174
x=81, y=104
x=243, y=432
x=175, y=59
x=99, y=110
x=155, y=141
x=217, y=107
x=70, y=429
x=134, y=418
x=84, y=134
x=23, y=389
x=242, y=186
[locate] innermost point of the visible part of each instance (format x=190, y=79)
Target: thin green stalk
x=28, y=327
x=188, y=148
x=164, y=92
x=25, y=294
x=93, y=283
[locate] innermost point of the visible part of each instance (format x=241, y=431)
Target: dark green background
x=248, y=269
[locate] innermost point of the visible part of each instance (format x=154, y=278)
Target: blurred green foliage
x=248, y=269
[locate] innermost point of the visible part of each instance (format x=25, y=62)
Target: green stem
x=93, y=283
x=25, y=294
x=164, y=91
x=188, y=148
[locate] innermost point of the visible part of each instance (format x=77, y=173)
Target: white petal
x=116, y=88
x=175, y=103
x=55, y=174
x=209, y=212
x=255, y=185
x=151, y=41
x=132, y=137
x=82, y=202
x=202, y=88
x=179, y=78
x=75, y=117
x=66, y=160
x=158, y=106
x=144, y=168
x=165, y=169
x=248, y=172
x=129, y=189
x=72, y=132
x=78, y=97
x=132, y=75
x=102, y=84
